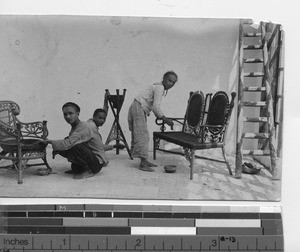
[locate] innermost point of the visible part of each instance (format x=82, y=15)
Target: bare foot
x=146, y=168
x=83, y=175
x=151, y=164
x=144, y=165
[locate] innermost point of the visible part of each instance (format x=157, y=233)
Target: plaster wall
x=49, y=60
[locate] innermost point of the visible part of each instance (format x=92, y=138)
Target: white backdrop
x=283, y=12
x=49, y=60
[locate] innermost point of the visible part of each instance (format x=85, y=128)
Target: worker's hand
x=168, y=121
x=119, y=146
x=44, y=141
x=42, y=144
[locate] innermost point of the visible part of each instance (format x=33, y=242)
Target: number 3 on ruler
x=214, y=243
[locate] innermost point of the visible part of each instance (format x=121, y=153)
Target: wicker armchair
x=21, y=142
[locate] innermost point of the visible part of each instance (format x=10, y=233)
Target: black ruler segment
x=128, y=215
x=157, y=228
x=187, y=215
x=15, y=214
x=230, y=231
x=13, y=221
x=98, y=214
x=157, y=215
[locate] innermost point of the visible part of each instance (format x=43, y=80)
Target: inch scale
x=203, y=243
x=150, y=228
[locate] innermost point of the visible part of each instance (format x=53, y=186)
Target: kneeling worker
x=81, y=147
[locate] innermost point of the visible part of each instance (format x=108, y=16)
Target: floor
x=122, y=179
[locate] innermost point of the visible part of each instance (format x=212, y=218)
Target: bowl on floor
x=170, y=168
x=43, y=171
x=250, y=168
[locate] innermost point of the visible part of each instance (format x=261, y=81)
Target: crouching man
x=82, y=147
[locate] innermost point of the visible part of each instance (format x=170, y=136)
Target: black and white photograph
x=155, y=108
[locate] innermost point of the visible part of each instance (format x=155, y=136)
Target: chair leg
x=226, y=161
x=20, y=176
x=192, y=159
x=20, y=171
x=19, y=166
x=46, y=163
x=154, y=148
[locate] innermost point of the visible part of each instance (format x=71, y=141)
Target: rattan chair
x=21, y=142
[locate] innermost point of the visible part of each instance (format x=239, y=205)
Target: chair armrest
x=36, y=129
x=161, y=122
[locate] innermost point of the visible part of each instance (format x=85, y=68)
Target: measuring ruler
x=140, y=228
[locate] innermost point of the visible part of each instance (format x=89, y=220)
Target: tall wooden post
x=269, y=103
x=239, y=138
